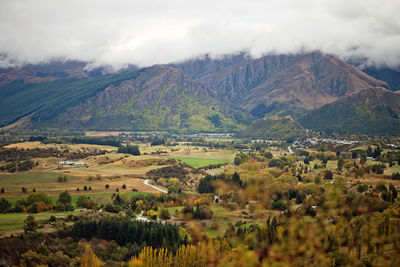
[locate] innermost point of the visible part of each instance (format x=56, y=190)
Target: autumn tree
x=31, y=224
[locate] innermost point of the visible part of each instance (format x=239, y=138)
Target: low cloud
x=143, y=33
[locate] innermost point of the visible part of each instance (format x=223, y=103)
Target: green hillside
x=49, y=99
x=159, y=98
x=372, y=111
x=273, y=128
x=155, y=98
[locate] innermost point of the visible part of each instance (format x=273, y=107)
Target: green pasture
x=395, y=169
x=13, y=222
x=197, y=162
x=30, y=177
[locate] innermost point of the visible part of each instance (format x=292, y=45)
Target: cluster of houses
x=71, y=163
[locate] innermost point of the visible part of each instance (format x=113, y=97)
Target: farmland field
x=13, y=222
x=395, y=169
x=201, y=162
x=30, y=177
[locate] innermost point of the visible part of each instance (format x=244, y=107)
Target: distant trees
x=268, y=155
x=362, y=188
x=279, y=162
x=215, y=119
x=110, y=207
x=175, y=189
x=82, y=202
x=25, y=165
x=202, y=212
x=129, y=149
x=377, y=152
x=64, y=202
x=378, y=168
x=340, y=163
x=23, y=157
x=157, y=141
x=363, y=159
x=31, y=224
x=393, y=176
x=236, y=179
x=125, y=231
x=164, y=214
x=241, y=158
x=38, y=197
x=62, y=178
x=17, y=166
x=328, y=175
x=85, y=202
x=279, y=205
x=4, y=205
x=374, y=153
x=206, y=184
x=199, y=212
x=389, y=195
x=106, y=141
x=36, y=202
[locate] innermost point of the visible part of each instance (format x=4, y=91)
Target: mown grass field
x=395, y=169
x=13, y=222
x=196, y=162
x=30, y=177
x=332, y=164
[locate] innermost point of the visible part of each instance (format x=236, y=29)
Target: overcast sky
x=147, y=32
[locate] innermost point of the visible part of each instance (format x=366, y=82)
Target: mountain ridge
x=204, y=94
x=294, y=82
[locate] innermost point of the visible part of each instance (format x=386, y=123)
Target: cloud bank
x=144, y=32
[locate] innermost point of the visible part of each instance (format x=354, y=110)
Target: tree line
x=125, y=231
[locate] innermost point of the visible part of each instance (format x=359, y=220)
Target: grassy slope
x=48, y=99
x=200, y=162
x=273, y=128
x=13, y=222
x=30, y=177
x=373, y=111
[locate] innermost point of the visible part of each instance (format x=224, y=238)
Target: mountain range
x=234, y=93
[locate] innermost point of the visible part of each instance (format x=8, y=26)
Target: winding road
x=146, y=182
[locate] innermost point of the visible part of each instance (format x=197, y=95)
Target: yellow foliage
x=202, y=254
x=90, y=259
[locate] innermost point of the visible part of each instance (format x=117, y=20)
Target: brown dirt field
x=98, y=186
x=38, y=144
x=374, y=180
x=27, y=145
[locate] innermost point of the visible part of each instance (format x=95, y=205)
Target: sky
x=143, y=33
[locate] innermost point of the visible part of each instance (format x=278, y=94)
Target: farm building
x=71, y=163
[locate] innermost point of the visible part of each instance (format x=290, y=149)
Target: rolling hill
x=273, y=128
x=371, y=111
x=158, y=98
